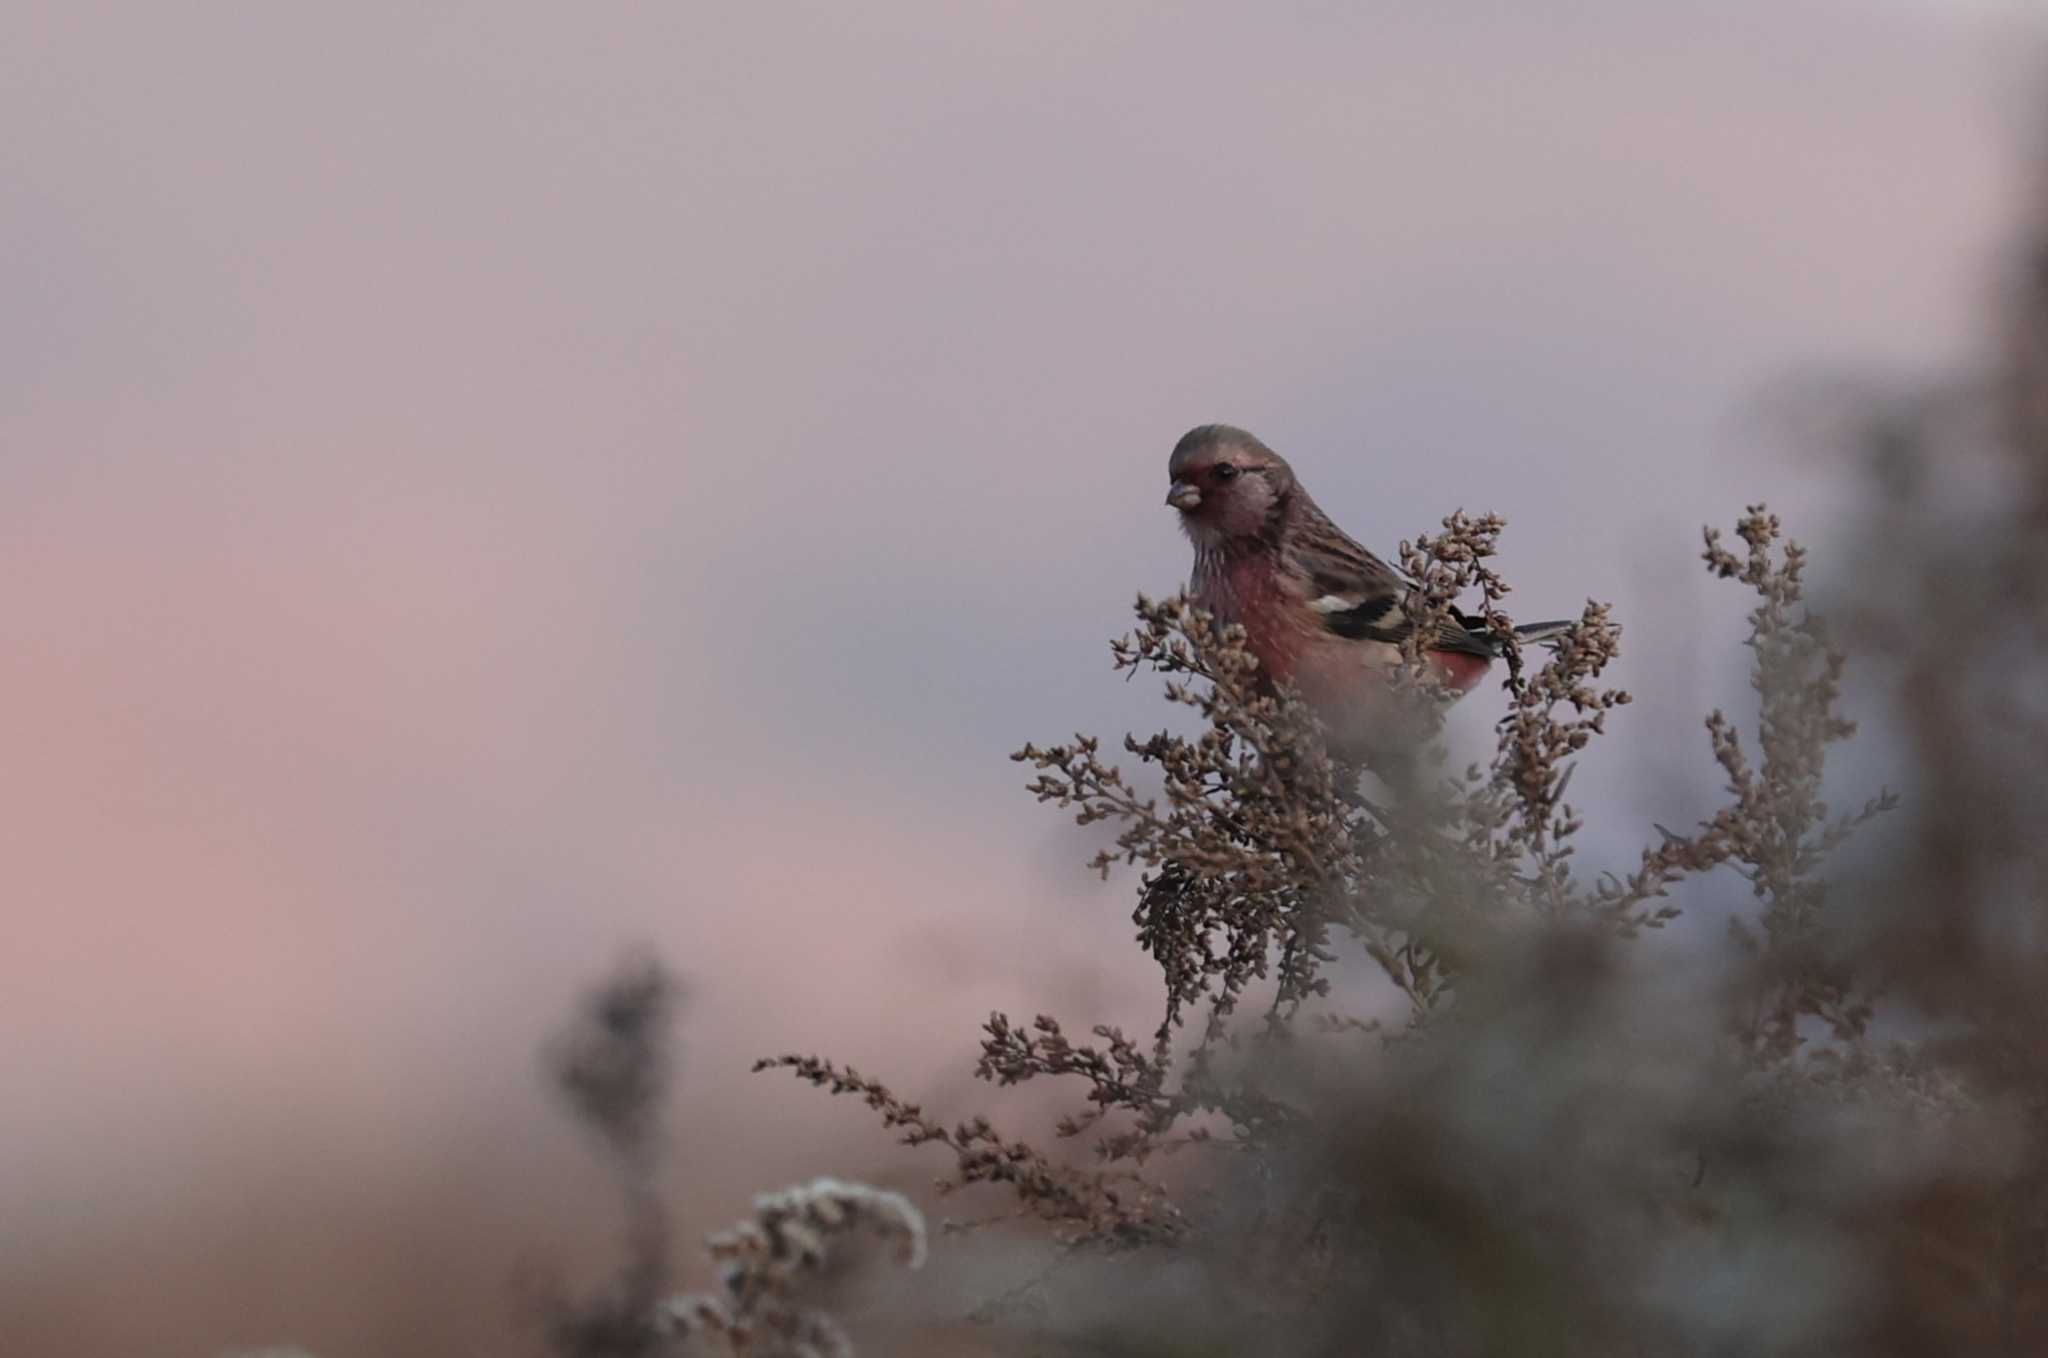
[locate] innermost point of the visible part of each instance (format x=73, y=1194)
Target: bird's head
x=1227, y=485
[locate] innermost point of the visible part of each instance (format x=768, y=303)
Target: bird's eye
x=1226, y=472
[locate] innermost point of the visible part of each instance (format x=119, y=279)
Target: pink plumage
x=1318, y=610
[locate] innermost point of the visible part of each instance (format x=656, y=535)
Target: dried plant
x=763, y=1261
x=1264, y=862
x=613, y=1067
x=1098, y=1205
x=1777, y=828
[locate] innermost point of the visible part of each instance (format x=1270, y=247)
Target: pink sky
x=480, y=490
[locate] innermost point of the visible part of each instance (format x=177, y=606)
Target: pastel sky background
x=486, y=485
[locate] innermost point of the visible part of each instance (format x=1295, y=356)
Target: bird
x=1319, y=611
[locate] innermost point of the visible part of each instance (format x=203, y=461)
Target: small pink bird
x=1318, y=610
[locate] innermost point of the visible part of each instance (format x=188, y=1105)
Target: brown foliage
x=1263, y=860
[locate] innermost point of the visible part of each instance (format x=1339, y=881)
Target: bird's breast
x=1248, y=592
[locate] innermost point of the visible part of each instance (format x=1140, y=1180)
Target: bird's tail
x=1544, y=633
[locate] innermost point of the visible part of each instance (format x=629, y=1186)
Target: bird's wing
x=1360, y=597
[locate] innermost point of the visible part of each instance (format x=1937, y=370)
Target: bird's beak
x=1184, y=496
